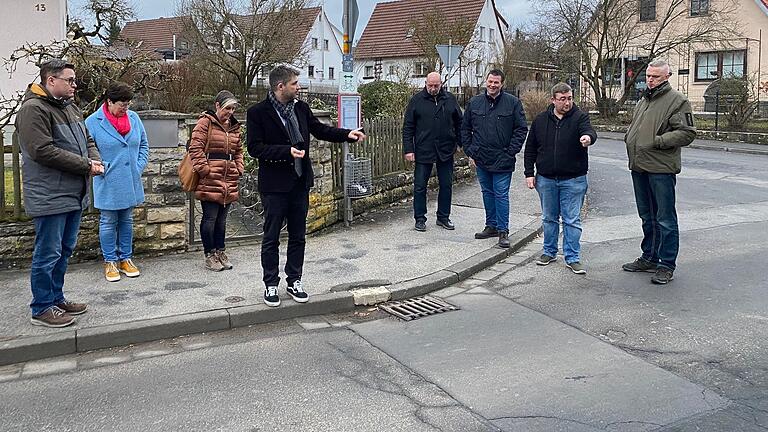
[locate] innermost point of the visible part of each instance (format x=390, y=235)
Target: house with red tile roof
x=387, y=48
x=316, y=42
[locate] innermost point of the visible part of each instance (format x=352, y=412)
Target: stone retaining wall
x=161, y=224
x=745, y=137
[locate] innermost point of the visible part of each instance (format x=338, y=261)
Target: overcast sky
x=516, y=12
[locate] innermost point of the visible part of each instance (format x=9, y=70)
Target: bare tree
x=239, y=37
x=592, y=36
x=437, y=28
x=525, y=55
x=96, y=65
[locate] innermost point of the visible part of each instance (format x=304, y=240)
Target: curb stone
x=120, y=334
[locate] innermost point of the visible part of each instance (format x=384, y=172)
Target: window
x=726, y=64
x=311, y=71
x=314, y=43
x=265, y=70
x=392, y=70
x=612, y=72
x=420, y=69
x=482, y=34
x=325, y=44
x=699, y=7
x=368, y=72
x=491, y=37
x=331, y=73
x=478, y=69
x=647, y=10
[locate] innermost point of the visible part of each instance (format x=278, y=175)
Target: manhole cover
x=417, y=307
x=234, y=299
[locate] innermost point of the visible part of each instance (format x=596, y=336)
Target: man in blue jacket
x=492, y=133
x=431, y=130
x=557, y=149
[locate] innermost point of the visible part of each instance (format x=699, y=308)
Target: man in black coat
x=431, y=133
x=492, y=133
x=557, y=149
x=278, y=131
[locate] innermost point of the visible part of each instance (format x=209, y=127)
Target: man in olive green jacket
x=661, y=125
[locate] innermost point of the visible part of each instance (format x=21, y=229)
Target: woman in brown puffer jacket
x=219, y=168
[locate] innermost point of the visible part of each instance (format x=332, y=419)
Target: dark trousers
x=291, y=206
x=655, y=198
x=213, y=225
x=55, y=239
x=421, y=174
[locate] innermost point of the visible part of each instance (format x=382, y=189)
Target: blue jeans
x=55, y=239
x=495, y=187
x=116, y=234
x=421, y=175
x=562, y=199
x=655, y=198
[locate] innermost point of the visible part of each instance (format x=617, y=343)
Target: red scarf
x=122, y=124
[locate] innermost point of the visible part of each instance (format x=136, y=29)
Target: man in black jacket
x=431, y=131
x=557, y=148
x=278, y=131
x=492, y=133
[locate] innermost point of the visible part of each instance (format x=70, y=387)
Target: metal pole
x=345, y=147
x=717, y=106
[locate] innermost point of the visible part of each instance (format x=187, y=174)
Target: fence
x=10, y=183
x=383, y=145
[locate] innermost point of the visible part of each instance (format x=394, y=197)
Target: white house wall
x=24, y=22
x=323, y=60
x=486, y=51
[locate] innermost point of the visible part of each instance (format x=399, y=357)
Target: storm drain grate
x=417, y=307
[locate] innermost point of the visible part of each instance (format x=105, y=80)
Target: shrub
x=535, y=102
x=385, y=99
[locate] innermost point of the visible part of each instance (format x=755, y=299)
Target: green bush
x=385, y=99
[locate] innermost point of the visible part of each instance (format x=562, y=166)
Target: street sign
x=348, y=83
x=449, y=54
x=349, y=111
x=349, y=19
x=347, y=64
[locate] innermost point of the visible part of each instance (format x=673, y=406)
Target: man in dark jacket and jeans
x=662, y=124
x=492, y=133
x=431, y=131
x=59, y=156
x=557, y=149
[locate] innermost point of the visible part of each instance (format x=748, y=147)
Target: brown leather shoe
x=53, y=317
x=73, y=308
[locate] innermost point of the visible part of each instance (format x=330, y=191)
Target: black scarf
x=291, y=124
x=286, y=112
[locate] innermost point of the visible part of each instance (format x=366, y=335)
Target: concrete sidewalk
x=175, y=295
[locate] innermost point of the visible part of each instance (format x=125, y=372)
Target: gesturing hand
x=356, y=135
x=585, y=140
x=296, y=153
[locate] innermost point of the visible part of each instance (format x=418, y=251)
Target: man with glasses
x=661, y=125
x=59, y=156
x=556, y=152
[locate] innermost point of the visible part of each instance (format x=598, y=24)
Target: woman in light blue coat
x=122, y=142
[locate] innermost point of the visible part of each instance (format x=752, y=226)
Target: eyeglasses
x=122, y=105
x=70, y=81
